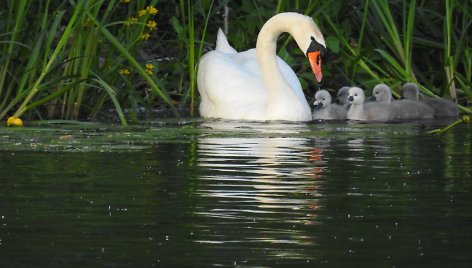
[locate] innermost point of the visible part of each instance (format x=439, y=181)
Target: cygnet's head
x=343, y=94
x=322, y=99
x=356, y=95
x=382, y=93
x=411, y=91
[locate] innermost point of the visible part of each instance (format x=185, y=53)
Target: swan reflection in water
x=260, y=181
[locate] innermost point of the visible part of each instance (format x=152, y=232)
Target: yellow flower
x=149, y=68
x=125, y=71
x=14, y=121
x=145, y=36
x=151, y=24
x=142, y=13
x=152, y=10
x=130, y=21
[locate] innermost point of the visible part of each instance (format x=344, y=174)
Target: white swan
x=325, y=110
x=256, y=84
x=369, y=111
x=407, y=109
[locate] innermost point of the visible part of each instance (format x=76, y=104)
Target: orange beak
x=315, y=62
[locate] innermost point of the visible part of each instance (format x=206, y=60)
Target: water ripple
x=251, y=183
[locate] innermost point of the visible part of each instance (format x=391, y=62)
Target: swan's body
x=441, y=107
x=369, y=111
x=325, y=110
x=407, y=109
x=256, y=84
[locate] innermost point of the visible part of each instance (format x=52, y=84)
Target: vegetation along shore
x=109, y=60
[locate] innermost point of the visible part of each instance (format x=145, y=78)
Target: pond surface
x=220, y=193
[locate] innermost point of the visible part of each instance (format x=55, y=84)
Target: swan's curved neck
x=267, y=55
x=285, y=95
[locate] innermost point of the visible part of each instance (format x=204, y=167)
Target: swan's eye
x=315, y=46
x=355, y=95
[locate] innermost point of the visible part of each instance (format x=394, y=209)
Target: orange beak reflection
x=315, y=62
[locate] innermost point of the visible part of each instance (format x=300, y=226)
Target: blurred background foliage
x=122, y=59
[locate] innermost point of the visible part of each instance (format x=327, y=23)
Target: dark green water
x=204, y=194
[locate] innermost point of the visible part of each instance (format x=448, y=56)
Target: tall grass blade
x=124, y=52
x=61, y=43
x=112, y=95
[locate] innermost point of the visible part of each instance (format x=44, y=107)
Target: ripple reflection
x=259, y=188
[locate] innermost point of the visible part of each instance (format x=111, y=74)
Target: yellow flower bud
x=14, y=122
x=130, y=21
x=466, y=118
x=125, y=71
x=152, y=10
x=142, y=13
x=145, y=36
x=151, y=24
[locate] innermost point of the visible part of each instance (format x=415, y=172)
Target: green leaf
x=332, y=42
x=391, y=61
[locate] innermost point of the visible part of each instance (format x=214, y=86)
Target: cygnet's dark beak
x=318, y=106
x=350, y=99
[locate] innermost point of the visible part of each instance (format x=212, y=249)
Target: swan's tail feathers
x=222, y=44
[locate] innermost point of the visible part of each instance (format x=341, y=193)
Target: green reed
x=78, y=59
x=192, y=39
x=65, y=64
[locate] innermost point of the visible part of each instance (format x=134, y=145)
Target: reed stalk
x=33, y=90
x=191, y=55
x=65, y=60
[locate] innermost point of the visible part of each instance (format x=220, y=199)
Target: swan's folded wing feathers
x=231, y=97
x=291, y=78
x=222, y=43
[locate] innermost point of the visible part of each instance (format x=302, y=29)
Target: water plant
x=464, y=119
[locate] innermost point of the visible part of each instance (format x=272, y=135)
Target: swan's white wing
x=222, y=44
x=231, y=86
x=291, y=78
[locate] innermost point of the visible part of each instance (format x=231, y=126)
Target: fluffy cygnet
x=440, y=106
x=325, y=110
x=407, y=109
x=343, y=94
x=369, y=111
